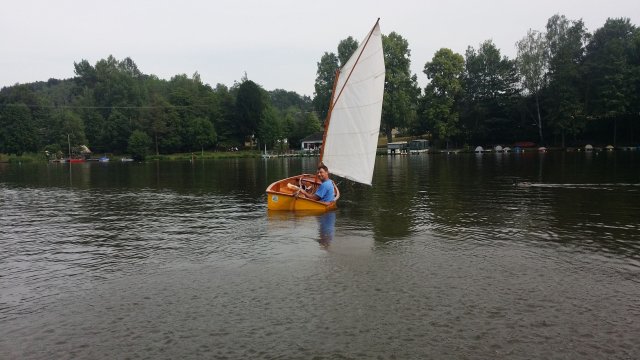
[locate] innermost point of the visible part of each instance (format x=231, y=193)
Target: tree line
x=113, y=107
x=566, y=86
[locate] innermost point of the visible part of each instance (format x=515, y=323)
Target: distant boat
x=76, y=161
x=266, y=155
x=351, y=129
x=126, y=159
x=418, y=146
x=104, y=159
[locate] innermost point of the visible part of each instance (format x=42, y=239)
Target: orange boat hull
x=282, y=198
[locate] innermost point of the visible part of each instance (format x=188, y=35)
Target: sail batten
x=350, y=146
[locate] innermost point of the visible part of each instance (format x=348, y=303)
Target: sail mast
x=328, y=120
x=335, y=82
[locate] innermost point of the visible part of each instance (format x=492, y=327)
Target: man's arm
x=304, y=192
x=310, y=196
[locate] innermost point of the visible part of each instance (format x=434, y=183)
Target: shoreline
x=31, y=157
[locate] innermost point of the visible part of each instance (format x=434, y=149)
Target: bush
x=139, y=144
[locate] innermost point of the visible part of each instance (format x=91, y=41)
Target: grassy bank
x=24, y=158
x=206, y=155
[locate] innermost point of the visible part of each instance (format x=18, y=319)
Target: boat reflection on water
x=304, y=223
x=321, y=226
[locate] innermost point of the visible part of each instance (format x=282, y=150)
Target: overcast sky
x=278, y=43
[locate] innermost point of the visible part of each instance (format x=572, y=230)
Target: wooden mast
x=335, y=82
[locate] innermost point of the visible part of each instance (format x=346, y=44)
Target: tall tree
x=157, y=119
x=346, y=48
x=117, y=131
x=323, y=86
x=86, y=75
x=490, y=92
x=443, y=93
x=401, y=89
x=566, y=44
x=610, y=70
x=224, y=117
x=532, y=68
x=270, y=129
x=251, y=102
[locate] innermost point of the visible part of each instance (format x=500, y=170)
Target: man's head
x=323, y=173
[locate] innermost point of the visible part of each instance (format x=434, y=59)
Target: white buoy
x=479, y=149
x=588, y=147
x=498, y=148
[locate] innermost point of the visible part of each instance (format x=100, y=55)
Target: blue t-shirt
x=325, y=191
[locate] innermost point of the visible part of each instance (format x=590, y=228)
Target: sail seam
x=358, y=107
x=365, y=79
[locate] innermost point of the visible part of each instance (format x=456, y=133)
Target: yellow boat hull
x=281, y=198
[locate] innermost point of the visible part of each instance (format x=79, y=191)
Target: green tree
x=566, y=42
x=224, y=117
x=610, y=71
x=532, y=67
x=346, y=48
x=86, y=75
x=251, y=102
x=117, y=83
x=310, y=125
x=297, y=125
x=323, y=86
x=17, y=131
x=201, y=133
x=270, y=129
x=401, y=88
x=283, y=100
x=117, y=131
x=66, y=127
x=490, y=84
x=442, y=95
x=139, y=144
x=157, y=119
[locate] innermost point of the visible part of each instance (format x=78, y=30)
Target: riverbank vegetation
x=567, y=86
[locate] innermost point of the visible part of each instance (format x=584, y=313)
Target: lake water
x=442, y=258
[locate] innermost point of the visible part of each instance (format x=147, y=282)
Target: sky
x=277, y=43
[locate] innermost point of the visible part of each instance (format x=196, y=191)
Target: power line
x=105, y=107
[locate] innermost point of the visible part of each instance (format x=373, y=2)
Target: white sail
x=352, y=136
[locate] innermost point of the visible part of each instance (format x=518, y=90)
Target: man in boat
x=325, y=192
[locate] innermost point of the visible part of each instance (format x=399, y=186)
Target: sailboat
x=265, y=155
x=351, y=129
